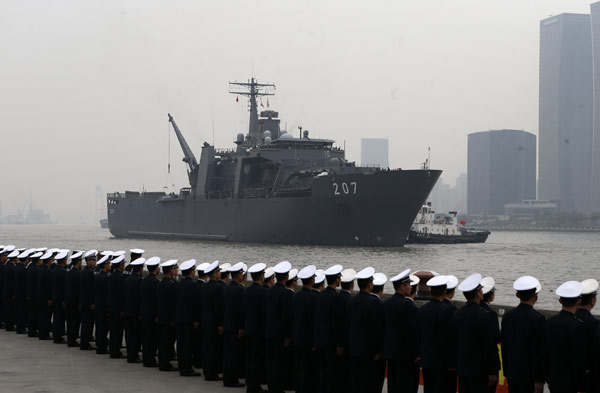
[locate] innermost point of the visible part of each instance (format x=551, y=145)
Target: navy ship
x=274, y=187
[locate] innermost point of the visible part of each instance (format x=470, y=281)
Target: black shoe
x=170, y=368
x=60, y=341
x=234, y=385
x=116, y=355
x=87, y=348
x=21, y=331
x=10, y=329
x=45, y=338
x=72, y=345
x=213, y=378
x=32, y=335
x=134, y=361
x=101, y=351
x=150, y=364
x=189, y=374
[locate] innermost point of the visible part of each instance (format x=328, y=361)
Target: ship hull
x=429, y=238
x=375, y=209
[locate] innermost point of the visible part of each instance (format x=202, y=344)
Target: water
x=552, y=257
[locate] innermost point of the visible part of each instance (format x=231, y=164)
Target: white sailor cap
x=91, y=254
x=9, y=248
x=293, y=274
x=138, y=262
x=403, y=276
x=117, y=260
x=348, y=275
x=77, y=255
x=269, y=272
x=169, y=263
x=102, y=260
x=570, y=289
x=152, y=261
x=488, y=284
x=257, y=267
x=244, y=268
x=282, y=267
x=186, y=265
x=589, y=286
x=47, y=255
x=37, y=254
x=137, y=251
x=62, y=254
x=53, y=250
x=452, y=282
x=237, y=267
x=438, y=281
x=41, y=249
x=470, y=283
x=334, y=270
x=210, y=268
x=366, y=273
x=414, y=280
x=20, y=249
x=526, y=283
x=118, y=253
x=307, y=272
x=106, y=253
x=24, y=254
x=319, y=276
x=14, y=254
x=379, y=279
x=202, y=267
x=538, y=288
x=225, y=267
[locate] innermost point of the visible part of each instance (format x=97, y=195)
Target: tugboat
x=440, y=228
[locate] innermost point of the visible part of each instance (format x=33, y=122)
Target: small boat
x=430, y=227
x=104, y=223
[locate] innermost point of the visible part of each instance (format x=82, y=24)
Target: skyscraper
x=566, y=111
x=501, y=170
x=595, y=186
x=374, y=152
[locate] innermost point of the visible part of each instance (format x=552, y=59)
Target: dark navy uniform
x=278, y=328
x=148, y=304
x=32, y=306
x=44, y=300
x=477, y=352
x=303, y=328
x=101, y=312
x=451, y=377
x=590, y=324
x=438, y=349
x=185, y=316
x=566, y=355
x=197, y=334
x=328, y=317
x=254, y=326
x=491, y=318
x=86, y=302
x=58, y=301
x=2, y=265
x=131, y=312
x=233, y=323
x=9, y=296
x=166, y=298
x=72, y=288
x=212, y=319
x=401, y=344
x=522, y=339
x=343, y=361
x=114, y=306
x=20, y=297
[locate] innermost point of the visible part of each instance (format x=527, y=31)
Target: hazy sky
x=85, y=86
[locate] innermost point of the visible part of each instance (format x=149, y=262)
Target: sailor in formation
x=318, y=337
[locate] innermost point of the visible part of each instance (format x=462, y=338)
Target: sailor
x=269, y=277
x=9, y=291
x=224, y=278
x=100, y=304
x=319, y=281
x=254, y=328
x=329, y=312
x=588, y=301
x=72, y=289
x=303, y=328
x=4, y=251
x=522, y=337
x=451, y=291
x=488, y=288
x=44, y=295
x=233, y=326
x=288, y=353
x=438, y=357
x=148, y=304
x=86, y=300
x=451, y=378
x=379, y=280
x=21, y=291
x=198, y=290
x=343, y=359
x=278, y=329
x=401, y=338
x=131, y=310
x=134, y=254
x=477, y=351
x=186, y=318
x=212, y=323
x=58, y=297
x=166, y=299
x=362, y=346
x=565, y=343
x=32, y=314
x=414, y=287
x=114, y=306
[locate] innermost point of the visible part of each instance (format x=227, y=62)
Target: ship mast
x=253, y=89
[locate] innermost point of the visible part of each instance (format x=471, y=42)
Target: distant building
x=445, y=198
x=374, y=152
x=501, y=170
x=566, y=111
x=595, y=183
x=530, y=208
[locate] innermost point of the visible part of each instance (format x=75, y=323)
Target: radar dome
x=336, y=161
x=267, y=134
x=267, y=140
x=286, y=136
x=240, y=138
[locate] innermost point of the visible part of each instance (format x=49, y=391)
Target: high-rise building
x=595, y=183
x=374, y=152
x=500, y=170
x=566, y=111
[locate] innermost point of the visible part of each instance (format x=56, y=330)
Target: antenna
x=429, y=155
x=212, y=109
x=253, y=89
